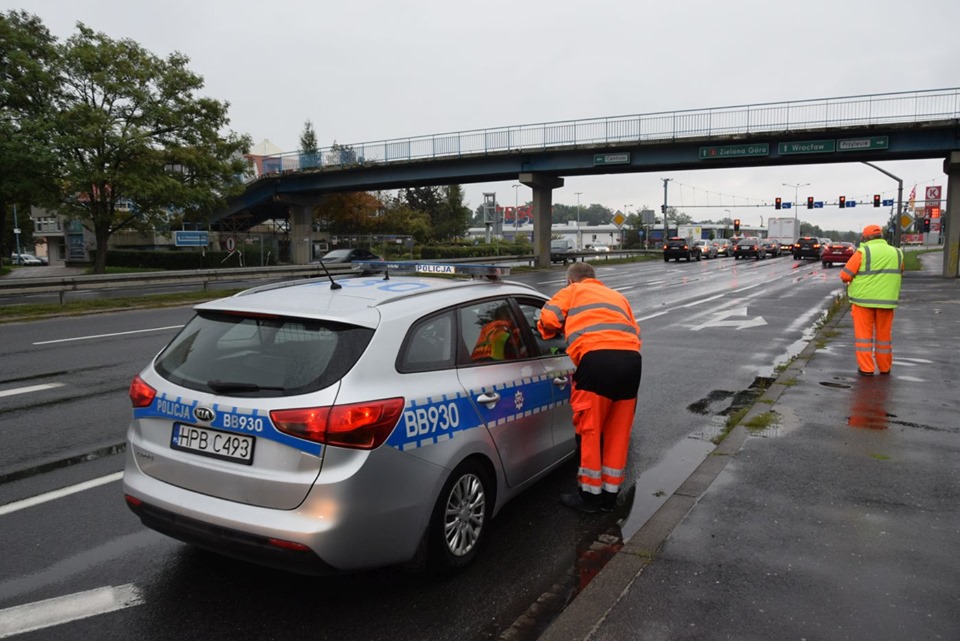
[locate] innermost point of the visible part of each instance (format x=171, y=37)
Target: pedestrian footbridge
x=865, y=128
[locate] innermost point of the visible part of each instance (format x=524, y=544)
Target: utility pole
x=664, y=209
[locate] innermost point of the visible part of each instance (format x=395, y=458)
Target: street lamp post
x=621, y=228
x=516, y=215
x=796, y=190
x=16, y=232
x=579, y=233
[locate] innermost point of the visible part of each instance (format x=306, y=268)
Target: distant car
x=807, y=247
x=771, y=246
x=707, y=248
x=347, y=255
x=321, y=430
x=561, y=250
x=678, y=248
x=749, y=247
x=26, y=259
x=723, y=247
x=839, y=252
x=601, y=248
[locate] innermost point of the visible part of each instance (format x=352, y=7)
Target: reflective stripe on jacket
x=592, y=316
x=874, y=274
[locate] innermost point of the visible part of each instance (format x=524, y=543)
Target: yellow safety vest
x=877, y=283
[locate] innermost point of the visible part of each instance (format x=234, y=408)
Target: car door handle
x=488, y=399
x=561, y=381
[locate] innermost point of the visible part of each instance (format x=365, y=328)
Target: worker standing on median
x=873, y=276
x=603, y=340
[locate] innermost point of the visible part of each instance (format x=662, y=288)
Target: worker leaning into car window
x=499, y=339
x=603, y=340
x=873, y=277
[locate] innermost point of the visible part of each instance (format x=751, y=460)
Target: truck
x=785, y=231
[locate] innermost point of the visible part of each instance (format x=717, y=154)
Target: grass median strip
x=12, y=313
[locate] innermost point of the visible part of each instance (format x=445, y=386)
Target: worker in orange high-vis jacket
x=603, y=340
x=873, y=277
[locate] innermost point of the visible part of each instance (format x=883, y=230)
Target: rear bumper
x=233, y=543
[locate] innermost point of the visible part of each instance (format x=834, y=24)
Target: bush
x=184, y=259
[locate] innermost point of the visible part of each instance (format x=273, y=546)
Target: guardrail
x=63, y=285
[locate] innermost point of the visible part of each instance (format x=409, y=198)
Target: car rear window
x=252, y=356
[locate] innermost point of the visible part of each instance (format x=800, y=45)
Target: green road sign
x=734, y=151
x=612, y=159
x=807, y=147
x=862, y=144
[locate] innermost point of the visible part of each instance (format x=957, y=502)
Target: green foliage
x=475, y=251
x=120, y=132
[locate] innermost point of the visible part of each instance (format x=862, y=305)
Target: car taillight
x=362, y=426
x=664, y=246
x=141, y=394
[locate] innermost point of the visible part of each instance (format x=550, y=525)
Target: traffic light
x=843, y=202
x=663, y=209
x=736, y=225
x=876, y=200
x=809, y=202
x=926, y=224
x=777, y=203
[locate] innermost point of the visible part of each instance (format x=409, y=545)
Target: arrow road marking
x=719, y=320
x=43, y=614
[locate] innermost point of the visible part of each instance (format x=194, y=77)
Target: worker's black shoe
x=608, y=501
x=582, y=501
x=863, y=373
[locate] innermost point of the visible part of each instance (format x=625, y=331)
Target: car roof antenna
x=333, y=284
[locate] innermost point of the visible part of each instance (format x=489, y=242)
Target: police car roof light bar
x=492, y=272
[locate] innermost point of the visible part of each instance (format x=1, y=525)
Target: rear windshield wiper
x=237, y=386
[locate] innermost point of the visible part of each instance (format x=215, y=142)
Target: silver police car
x=321, y=426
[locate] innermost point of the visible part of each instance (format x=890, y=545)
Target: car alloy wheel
x=460, y=517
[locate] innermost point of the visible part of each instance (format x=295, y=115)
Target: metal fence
x=851, y=111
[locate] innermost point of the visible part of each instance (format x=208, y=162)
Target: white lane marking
x=705, y=300
x=31, y=388
x=63, y=609
x=915, y=360
x=57, y=494
x=84, y=338
x=643, y=318
x=743, y=289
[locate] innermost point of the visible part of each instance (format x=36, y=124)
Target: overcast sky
x=369, y=70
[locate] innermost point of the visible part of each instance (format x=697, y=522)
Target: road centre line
x=644, y=318
x=58, y=610
x=31, y=388
x=58, y=494
x=83, y=338
x=705, y=300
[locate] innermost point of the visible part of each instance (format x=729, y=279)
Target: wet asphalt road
x=710, y=329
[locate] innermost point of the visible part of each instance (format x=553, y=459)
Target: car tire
x=825, y=263
x=460, y=517
x=666, y=260
x=699, y=256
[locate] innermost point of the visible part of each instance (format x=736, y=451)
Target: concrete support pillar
x=301, y=232
x=542, y=186
x=951, y=218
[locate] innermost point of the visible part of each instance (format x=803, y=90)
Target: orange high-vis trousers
x=873, y=338
x=604, y=427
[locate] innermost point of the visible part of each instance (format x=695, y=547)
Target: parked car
x=839, y=252
x=26, y=259
x=807, y=247
x=678, y=248
x=561, y=250
x=771, y=246
x=749, y=247
x=601, y=248
x=320, y=429
x=347, y=255
x=707, y=248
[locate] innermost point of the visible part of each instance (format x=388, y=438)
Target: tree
x=27, y=89
x=130, y=130
x=309, y=152
x=348, y=213
x=449, y=217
